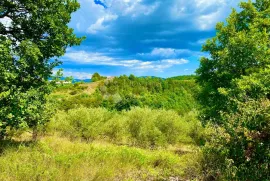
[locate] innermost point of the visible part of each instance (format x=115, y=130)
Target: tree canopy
x=32, y=33
x=235, y=94
x=240, y=47
x=96, y=77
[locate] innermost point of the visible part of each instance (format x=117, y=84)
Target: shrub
x=140, y=126
x=82, y=122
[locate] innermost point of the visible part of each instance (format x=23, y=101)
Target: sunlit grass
x=55, y=158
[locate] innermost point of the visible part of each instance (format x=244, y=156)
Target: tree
x=236, y=92
x=69, y=79
x=58, y=76
x=132, y=77
x=96, y=77
x=241, y=47
x=126, y=103
x=242, y=146
x=35, y=32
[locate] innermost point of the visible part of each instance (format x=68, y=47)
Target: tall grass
x=54, y=158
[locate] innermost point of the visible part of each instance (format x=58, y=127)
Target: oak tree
x=33, y=33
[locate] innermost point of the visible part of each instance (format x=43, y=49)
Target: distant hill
x=183, y=77
x=152, y=77
x=82, y=80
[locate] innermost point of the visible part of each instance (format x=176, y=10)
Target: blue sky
x=142, y=37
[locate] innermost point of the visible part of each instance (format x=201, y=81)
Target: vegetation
x=184, y=77
x=38, y=33
x=141, y=127
x=236, y=93
x=96, y=77
x=235, y=52
x=140, y=143
x=211, y=126
x=124, y=92
x=54, y=158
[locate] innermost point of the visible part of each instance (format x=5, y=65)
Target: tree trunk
x=2, y=135
x=35, y=133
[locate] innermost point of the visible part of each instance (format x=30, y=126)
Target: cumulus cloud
x=169, y=53
x=144, y=34
x=83, y=57
x=100, y=24
x=75, y=74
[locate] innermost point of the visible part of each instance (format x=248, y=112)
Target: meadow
x=90, y=138
x=211, y=126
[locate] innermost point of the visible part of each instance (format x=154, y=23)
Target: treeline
x=124, y=92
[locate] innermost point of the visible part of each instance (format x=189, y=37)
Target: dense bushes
x=152, y=92
x=124, y=92
x=243, y=139
x=139, y=126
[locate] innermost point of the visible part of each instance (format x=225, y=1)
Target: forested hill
x=126, y=91
x=184, y=77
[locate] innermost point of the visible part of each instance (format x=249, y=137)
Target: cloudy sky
x=143, y=37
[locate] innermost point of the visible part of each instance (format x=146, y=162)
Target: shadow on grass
x=13, y=144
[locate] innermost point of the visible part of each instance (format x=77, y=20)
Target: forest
x=213, y=125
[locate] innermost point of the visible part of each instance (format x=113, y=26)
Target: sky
x=142, y=37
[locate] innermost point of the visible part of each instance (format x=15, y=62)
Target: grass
x=56, y=158
x=101, y=145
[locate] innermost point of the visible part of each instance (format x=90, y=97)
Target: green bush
x=140, y=126
x=82, y=122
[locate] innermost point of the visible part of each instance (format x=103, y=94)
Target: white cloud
x=207, y=22
x=175, y=61
x=197, y=14
x=169, y=53
x=198, y=42
x=160, y=65
x=75, y=74
x=202, y=14
x=99, y=25
x=132, y=8
x=155, y=40
x=85, y=57
x=90, y=58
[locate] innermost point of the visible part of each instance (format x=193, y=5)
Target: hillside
x=125, y=128
x=122, y=93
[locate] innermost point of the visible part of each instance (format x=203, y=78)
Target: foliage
x=124, y=92
x=57, y=78
x=96, y=77
x=69, y=79
x=244, y=138
x=236, y=90
x=184, y=77
x=139, y=126
x=38, y=32
x=126, y=103
x=241, y=47
x=150, y=91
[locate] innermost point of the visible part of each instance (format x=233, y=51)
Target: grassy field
x=58, y=158
x=85, y=143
